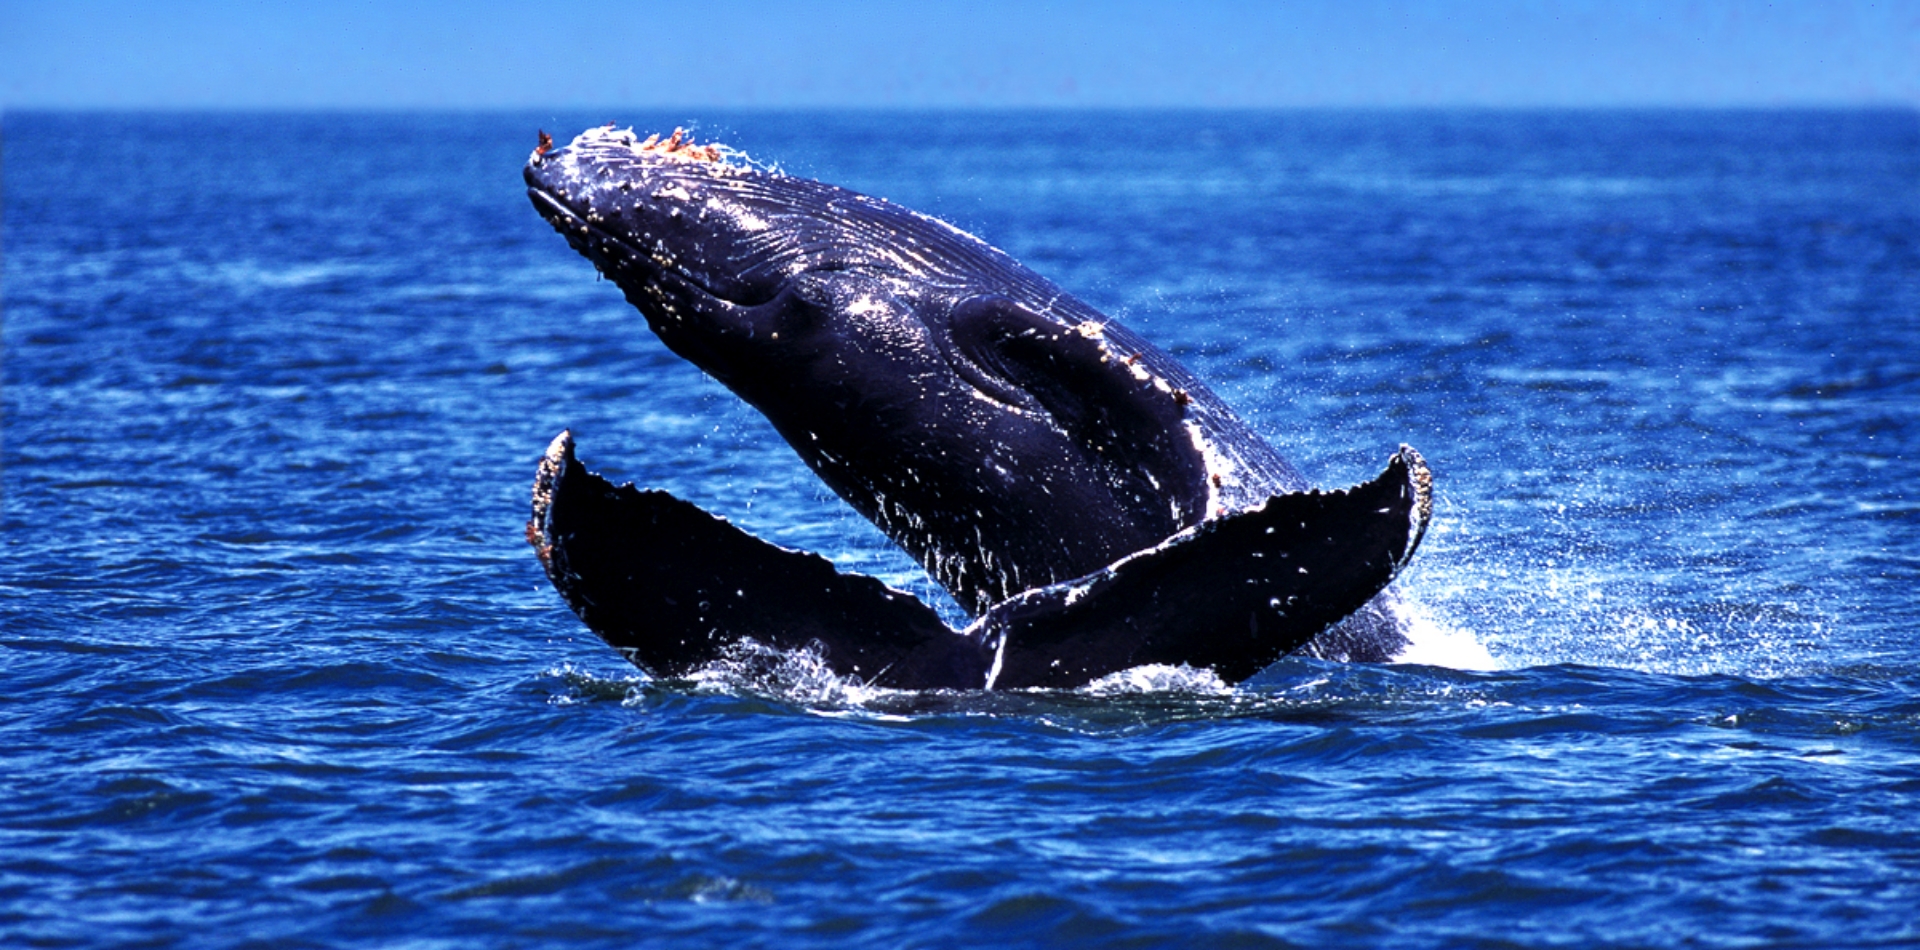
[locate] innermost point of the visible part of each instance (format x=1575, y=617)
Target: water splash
x=1158, y=678
x=585, y=686
x=801, y=677
x=1438, y=643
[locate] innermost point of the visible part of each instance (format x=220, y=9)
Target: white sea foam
x=799, y=676
x=1158, y=678
x=1436, y=643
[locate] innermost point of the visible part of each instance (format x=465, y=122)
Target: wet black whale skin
x=1008, y=436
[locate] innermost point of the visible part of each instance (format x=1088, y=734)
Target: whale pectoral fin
x=673, y=587
x=1105, y=398
x=1233, y=594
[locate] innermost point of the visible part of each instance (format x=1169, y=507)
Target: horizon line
x=1891, y=105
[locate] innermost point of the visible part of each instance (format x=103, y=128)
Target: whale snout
x=653, y=209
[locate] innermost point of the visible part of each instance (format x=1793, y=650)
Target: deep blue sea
x=277, y=667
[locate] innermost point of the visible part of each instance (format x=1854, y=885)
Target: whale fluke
x=675, y=588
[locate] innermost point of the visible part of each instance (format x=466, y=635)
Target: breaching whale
x=1082, y=496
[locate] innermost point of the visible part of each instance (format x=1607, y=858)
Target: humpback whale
x=1087, y=501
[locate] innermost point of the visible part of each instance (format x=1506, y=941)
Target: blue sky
x=723, y=53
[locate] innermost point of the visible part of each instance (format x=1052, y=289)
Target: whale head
x=720, y=253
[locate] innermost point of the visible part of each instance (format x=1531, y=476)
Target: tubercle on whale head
x=650, y=210
x=678, y=146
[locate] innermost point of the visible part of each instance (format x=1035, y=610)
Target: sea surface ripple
x=277, y=668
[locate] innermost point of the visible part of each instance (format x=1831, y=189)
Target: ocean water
x=277, y=667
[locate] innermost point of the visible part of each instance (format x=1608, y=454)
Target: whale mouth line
x=571, y=224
